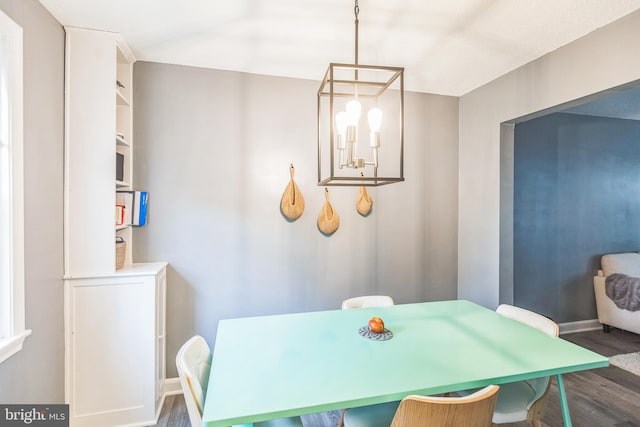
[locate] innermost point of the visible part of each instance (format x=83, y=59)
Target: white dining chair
x=524, y=400
x=474, y=410
x=363, y=302
x=367, y=301
x=194, y=364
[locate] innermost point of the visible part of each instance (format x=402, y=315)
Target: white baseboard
x=579, y=326
x=172, y=386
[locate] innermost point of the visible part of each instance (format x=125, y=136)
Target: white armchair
x=608, y=313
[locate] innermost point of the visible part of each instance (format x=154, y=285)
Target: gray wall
x=601, y=60
x=576, y=197
x=213, y=149
x=35, y=374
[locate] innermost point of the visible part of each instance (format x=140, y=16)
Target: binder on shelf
x=125, y=199
x=119, y=215
x=135, y=206
x=140, y=199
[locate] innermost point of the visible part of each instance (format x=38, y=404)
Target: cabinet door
x=112, y=350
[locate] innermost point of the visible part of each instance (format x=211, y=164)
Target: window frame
x=12, y=280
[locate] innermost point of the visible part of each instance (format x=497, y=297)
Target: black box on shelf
x=119, y=167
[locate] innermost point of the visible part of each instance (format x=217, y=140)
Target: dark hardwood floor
x=174, y=413
x=601, y=397
x=605, y=397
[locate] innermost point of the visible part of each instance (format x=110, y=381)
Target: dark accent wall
x=576, y=197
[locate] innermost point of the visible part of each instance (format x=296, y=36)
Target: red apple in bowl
x=376, y=325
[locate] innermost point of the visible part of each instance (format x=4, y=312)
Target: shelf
x=121, y=99
x=122, y=184
x=121, y=141
x=134, y=269
x=122, y=227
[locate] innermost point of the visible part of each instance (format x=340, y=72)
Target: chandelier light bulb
x=341, y=123
x=353, y=108
x=375, y=119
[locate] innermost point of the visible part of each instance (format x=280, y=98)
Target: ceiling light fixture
x=345, y=91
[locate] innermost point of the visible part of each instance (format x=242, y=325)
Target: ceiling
x=447, y=47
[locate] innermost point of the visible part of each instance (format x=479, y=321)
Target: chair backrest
x=194, y=363
x=367, y=301
x=538, y=321
x=474, y=410
x=530, y=318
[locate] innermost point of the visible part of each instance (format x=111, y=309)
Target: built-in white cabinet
x=115, y=347
x=114, y=319
x=98, y=136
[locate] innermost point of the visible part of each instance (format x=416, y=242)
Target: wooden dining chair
x=194, y=364
x=474, y=410
x=524, y=400
x=367, y=301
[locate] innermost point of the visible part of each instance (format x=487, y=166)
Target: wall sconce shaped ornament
x=328, y=219
x=292, y=201
x=350, y=97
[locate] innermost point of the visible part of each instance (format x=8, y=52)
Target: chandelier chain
x=356, y=11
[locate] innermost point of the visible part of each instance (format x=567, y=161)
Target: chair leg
x=538, y=409
x=606, y=328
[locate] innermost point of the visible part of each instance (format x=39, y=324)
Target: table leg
x=564, y=406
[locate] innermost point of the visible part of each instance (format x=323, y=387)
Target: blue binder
x=140, y=201
x=135, y=206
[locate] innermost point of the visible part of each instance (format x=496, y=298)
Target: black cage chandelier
x=346, y=91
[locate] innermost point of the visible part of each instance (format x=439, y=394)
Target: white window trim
x=13, y=323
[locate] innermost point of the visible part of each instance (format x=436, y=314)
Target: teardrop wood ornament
x=364, y=202
x=292, y=202
x=328, y=220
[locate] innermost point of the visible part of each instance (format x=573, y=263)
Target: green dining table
x=294, y=364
